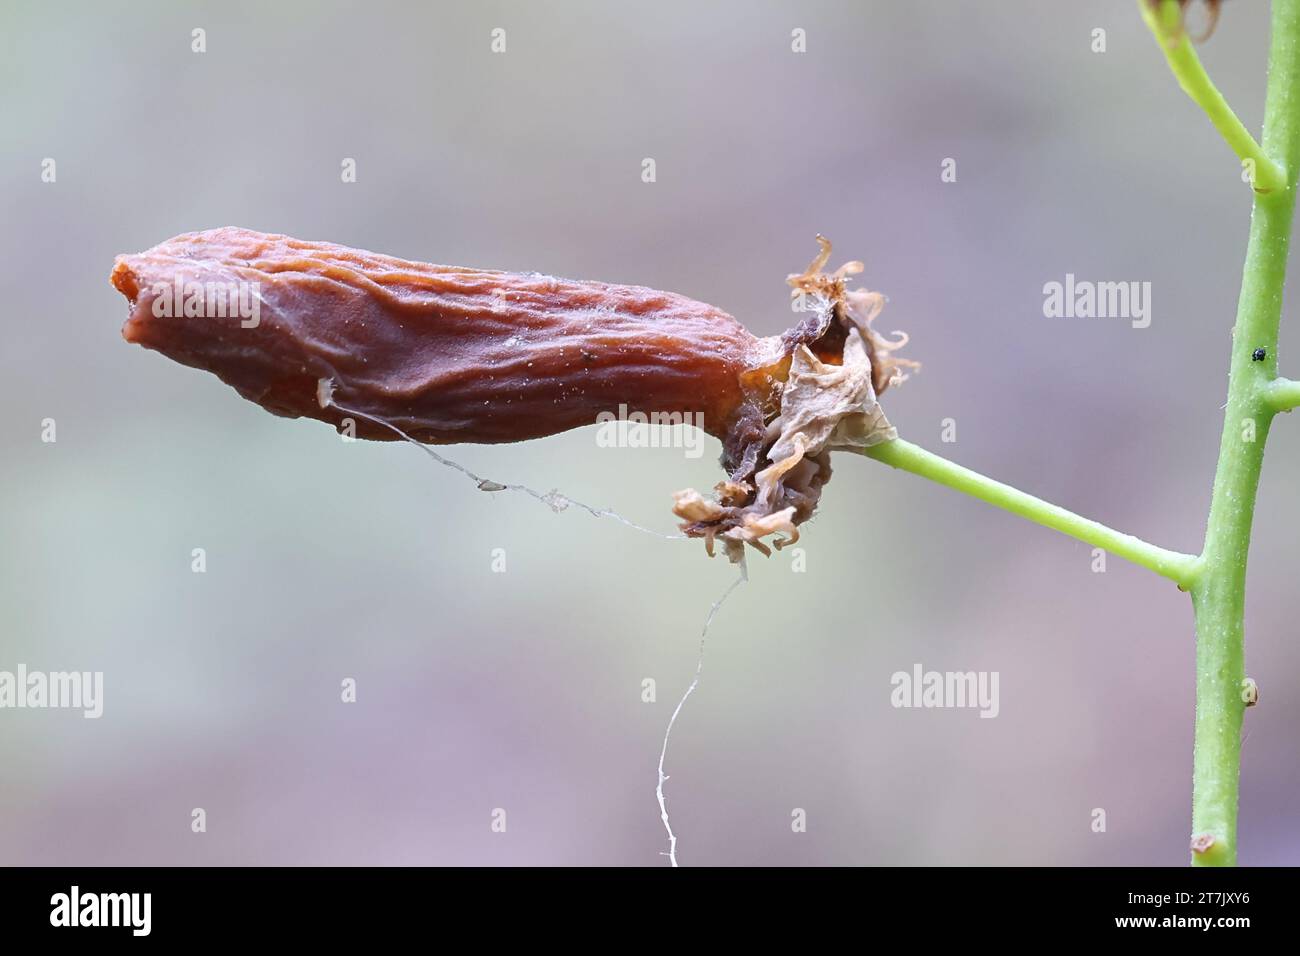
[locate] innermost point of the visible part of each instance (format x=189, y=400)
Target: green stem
x=1218, y=594
x=1217, y=578
x=1165, y=19
x=1180, y=568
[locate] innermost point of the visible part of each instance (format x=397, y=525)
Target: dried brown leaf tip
x=449, y=354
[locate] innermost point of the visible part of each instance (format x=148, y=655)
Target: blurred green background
x=522, y=690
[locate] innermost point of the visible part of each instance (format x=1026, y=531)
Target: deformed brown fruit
x=451, y=354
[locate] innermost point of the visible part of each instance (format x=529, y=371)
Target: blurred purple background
x=522, y=690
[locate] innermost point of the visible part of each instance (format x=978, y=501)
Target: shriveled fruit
x=451, y=354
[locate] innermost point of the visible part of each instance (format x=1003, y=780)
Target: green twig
x=1164, y=17
x=1179, y=568
x=1282, y=394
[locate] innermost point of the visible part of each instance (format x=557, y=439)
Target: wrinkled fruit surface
x=450, y=354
